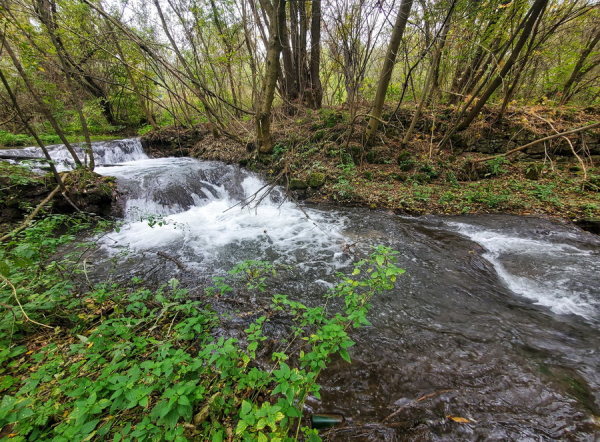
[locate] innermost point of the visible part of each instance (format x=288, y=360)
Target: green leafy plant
x=124, y=362
x=496, y=166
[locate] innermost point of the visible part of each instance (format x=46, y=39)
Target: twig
x=31, y=216
x=14, y=290
x=427, y=396
x=568, y=141
x=551, y=137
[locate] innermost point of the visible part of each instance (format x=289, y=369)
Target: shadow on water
x=496, y=321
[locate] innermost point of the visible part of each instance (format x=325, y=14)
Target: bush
x=12, y=140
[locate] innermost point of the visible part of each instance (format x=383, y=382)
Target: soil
x=90, y=192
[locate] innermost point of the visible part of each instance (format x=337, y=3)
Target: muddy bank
x=90, y=192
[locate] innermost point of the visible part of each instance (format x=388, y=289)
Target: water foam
x=105, y=152
x=211, y=221
x=542, y=270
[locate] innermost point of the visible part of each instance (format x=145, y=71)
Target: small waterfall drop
x=195, y=210
x=105, y=152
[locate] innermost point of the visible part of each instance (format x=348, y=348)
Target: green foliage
x=16, y=175
x=544, y=192
x=331, y=117
x=123, y=362
x=345, y=185
x=489, y=197
x=495, y=166
x=144, y=129
x=12, y=140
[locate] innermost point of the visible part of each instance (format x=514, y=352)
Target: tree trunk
x=45, y=14
x=198, y=89
x=290, y=74
x=316, y=92
x=45, y=110
x=134, y=85
x=579, y=70
x=388, y=67
x=263, y=116
x=33, y=133
x=536, y=11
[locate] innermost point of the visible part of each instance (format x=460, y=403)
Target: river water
x=496, y=320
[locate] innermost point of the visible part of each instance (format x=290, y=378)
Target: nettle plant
x=121, y=362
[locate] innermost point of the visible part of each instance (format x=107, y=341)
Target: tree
x=264, y=138
x=388, y=67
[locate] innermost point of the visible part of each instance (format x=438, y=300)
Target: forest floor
x=315, y=160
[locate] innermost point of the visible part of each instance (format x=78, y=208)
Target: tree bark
x=316, y=92
x=580, y=69
x=388, y=68
x=45, y=14
x=45, y=110
x=263, y=116
x=33, y=133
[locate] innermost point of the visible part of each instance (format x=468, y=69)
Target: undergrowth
x=123, y=362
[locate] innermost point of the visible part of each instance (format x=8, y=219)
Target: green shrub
x=12, y=140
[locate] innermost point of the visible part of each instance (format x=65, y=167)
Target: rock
x=534, y=171
x=589, y=225
x=315, y=179
x=296, y=184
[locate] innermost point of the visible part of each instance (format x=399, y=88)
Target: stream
x=496, y=320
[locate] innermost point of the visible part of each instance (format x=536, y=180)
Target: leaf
x=344, y=354
x=458, y=419
x=89, y=426
x=241, y=426
x=246, y=407
x=4, y=268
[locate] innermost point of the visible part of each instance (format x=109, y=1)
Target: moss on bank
x=21, y=190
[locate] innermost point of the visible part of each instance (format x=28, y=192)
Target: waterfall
x=105, y=152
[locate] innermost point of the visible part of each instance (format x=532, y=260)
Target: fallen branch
x=568, y=141
x=179, y=264
x=427, y=396
x=541, y=140
x=31, y=215
x=14, y=290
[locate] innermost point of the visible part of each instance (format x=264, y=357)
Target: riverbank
x=315, y=160
x=21, y=190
